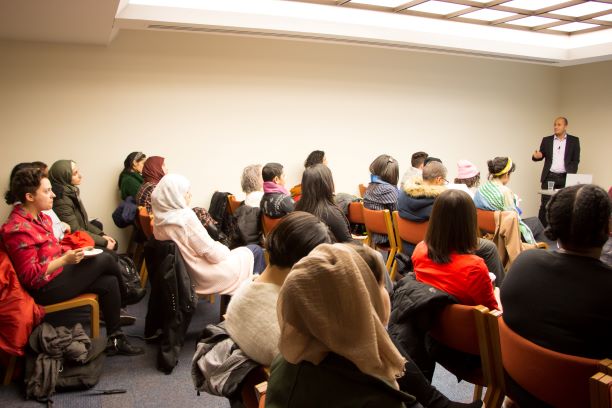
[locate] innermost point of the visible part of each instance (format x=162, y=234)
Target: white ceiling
x=96, y=22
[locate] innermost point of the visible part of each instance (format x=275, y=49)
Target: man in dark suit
x=561, y=154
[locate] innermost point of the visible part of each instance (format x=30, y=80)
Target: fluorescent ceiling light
x=583, y=9
x=487, y=15
x=532, y=21
x=573, y=27
x=532, y=4
x=607, y=17
x=438, y=7
x=384, y=3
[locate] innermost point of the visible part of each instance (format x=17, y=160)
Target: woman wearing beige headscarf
x=334, y=348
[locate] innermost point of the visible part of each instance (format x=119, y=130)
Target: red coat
x=31, y=245
x=18, y=312
x=466, y=277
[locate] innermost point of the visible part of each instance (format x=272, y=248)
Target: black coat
x=172, y=302
x=414, y=309
x=571, y=157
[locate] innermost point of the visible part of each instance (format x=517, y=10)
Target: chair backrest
x=486, y=220
x=600, y=385
x=232, y=203
x=268, y=223
x=355, y=212
x=362, y=190
x=461, y=327
x=409, y=231
x=558, y=379
x=379, y=222
x=146, y=222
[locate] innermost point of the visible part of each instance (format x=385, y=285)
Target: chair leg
x=144, y=274
x=95, y=319
x=10, y=369
x=477, y=392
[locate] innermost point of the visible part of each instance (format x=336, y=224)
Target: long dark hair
x=128, y=162
x=317, y=191
x=452, y=226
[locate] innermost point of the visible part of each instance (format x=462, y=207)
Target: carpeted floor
x=147, y=387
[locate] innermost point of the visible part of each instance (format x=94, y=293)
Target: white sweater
x=251, y=320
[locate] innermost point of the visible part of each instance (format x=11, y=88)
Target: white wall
x=213, y=104
x=586, y=99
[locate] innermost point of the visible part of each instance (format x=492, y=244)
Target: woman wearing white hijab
x=213, y=268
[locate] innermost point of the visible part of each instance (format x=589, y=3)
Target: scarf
x=272, y=187
x=331, y=302
x=152, y=171
x=60, y=175
x=168, y=201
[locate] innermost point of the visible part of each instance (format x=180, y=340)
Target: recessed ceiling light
x=607, y=17
x=532, y=4
x=532, y=21
x=487, y=15
x=438, y=7
x=383, y=3
x=573, y=27
x=583, y=9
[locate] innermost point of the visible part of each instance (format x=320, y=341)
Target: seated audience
x=382, y=191
x=469, y=175
x=327, y=361
x=417, y=162
x=276, y=201
x=130, y=178
x=213, y=268
x=59, y=228
x=315, y=157
x=51, y=273
x=252, y=185
x=251, y=315
x=153, y=170
x=446, y=259
x=416, y=200
x=318, y=199
x=65, y=179
x=560, y=299
x=494, y=195
x=248, y=215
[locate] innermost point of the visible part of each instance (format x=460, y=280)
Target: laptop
x=575, y=179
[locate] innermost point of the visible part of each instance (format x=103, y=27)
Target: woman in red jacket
x=446, y=260
x=52, y=273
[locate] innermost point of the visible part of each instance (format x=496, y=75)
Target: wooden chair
x=557, y=379
x=409, y=231
x=486, y=221
x=600, y=386
x=362, y=190
x=355, y=213
x=379, y=222
x=86, y=299
x=232, y=203
x=251, y=387
x=463, y=329
x=268, y=224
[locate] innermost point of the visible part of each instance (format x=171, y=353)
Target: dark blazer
x=571, y=159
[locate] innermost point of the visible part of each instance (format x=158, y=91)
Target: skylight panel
x=438, y=7
x=583, y=9
x=488, y=15
x=532, y=4
x=573, y=27
x=384, y=3
x=532, y=21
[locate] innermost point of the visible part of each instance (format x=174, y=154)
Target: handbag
x=131, y=279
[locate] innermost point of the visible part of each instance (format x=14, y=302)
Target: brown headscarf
x=331, y=302
x=152, y=171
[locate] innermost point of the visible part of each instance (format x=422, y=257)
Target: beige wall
x=213, y=104
x=586, y=99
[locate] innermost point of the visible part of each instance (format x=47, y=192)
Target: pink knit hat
x=466, y=170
